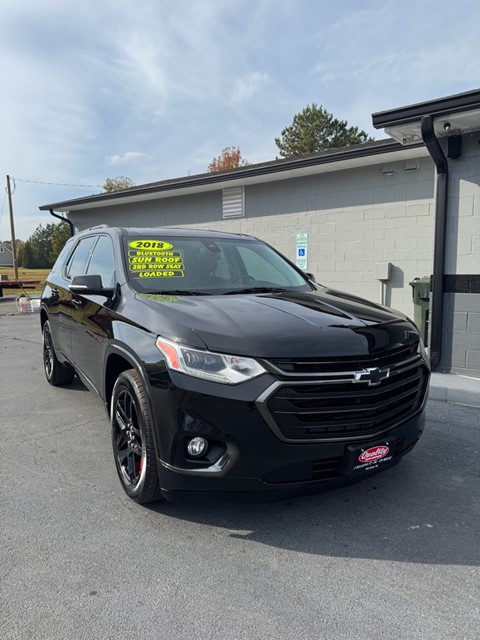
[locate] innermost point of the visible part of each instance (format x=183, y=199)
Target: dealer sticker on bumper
x=368, y=457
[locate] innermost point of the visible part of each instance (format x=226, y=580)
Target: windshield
x=207, y=266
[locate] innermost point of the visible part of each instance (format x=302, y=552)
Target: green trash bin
x=421, y=305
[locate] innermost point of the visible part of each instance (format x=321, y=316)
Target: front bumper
x=248, y=461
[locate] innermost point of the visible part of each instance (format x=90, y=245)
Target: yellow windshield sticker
x=153, y=259
x=150, y=244
x=160, y=297
x=160, y=274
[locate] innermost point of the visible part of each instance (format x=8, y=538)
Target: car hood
x=318, y=323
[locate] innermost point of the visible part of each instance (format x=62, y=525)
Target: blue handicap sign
x=301, y=253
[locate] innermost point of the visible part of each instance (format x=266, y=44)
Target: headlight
x=217, y=367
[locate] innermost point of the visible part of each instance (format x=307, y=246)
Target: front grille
x=329, y=409
x=325, y=469
x=389, y=358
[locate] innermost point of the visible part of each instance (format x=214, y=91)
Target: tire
x=132, y=439
x=57, y=374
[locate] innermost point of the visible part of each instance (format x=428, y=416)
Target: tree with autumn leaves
x=117, y=184
x=314, y=129
x=230, y=158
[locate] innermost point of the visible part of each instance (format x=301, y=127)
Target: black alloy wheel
x=56, y=373
x=132, y=439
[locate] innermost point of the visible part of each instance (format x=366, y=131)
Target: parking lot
x=397, y=556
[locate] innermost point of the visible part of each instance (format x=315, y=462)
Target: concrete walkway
x=445, y=387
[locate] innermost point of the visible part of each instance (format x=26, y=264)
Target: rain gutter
x=441, y=196
x=69, y=222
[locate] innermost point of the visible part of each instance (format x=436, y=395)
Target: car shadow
x=74, y=386
x=425, y=510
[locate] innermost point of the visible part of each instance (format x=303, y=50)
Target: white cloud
x=128, y=157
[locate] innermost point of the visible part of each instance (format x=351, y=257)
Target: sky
x=155, y=89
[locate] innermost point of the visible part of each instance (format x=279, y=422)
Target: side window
x=62, y=257
x=102, y=262
x=77, y=265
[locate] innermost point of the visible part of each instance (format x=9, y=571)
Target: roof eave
x=456, y=114
x=247, y=174
x=440, y=106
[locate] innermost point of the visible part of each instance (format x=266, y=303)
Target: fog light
x=196, y=447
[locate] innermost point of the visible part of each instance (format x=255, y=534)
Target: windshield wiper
x=254, y=290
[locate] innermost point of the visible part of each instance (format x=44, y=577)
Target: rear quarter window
x=77, y=263
x=102, y=262
x=63, y=257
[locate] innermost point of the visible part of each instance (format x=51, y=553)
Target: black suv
x=226, y=371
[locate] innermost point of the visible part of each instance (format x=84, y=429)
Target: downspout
x=441, y=194
x=69, y=222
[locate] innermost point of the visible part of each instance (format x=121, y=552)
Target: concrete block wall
x=463, y=219
x=168, y=212
x=353, y=218
x=461, y=334
x=461, y=325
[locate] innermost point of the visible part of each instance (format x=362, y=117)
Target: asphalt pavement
x=396, y=556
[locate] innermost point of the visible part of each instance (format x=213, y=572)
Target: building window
x=233, y=202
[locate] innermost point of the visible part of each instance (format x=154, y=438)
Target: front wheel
x=132, y=439
x=56, y=373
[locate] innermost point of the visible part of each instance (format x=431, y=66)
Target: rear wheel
x=132, y=439
x=56, y=373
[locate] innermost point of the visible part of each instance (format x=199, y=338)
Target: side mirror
x=89, y=285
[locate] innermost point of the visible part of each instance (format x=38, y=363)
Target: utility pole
x=12, y=229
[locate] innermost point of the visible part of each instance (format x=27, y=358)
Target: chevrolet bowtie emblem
x=372, y=376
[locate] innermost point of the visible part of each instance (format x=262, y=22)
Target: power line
x=58, y=184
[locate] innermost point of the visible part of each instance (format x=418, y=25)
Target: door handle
x=77, y=303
